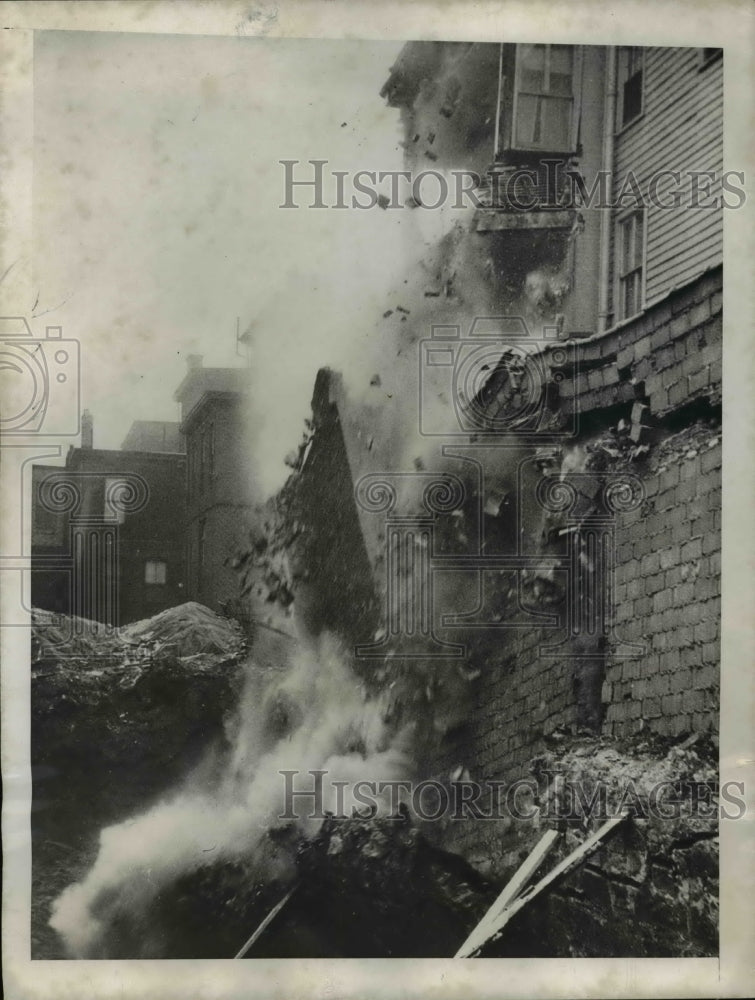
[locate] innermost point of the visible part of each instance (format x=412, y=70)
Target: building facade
x=584, y=547
x=218, y=486
x=107, y=533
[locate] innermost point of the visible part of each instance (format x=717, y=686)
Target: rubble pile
x=189, y=630
x=117, y=718
x=659, y=871
x=388, y=891
x=58, y=637
x=362, y=888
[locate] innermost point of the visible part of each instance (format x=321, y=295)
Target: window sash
x=544, y=97
x=630, y=96
x=631, y=244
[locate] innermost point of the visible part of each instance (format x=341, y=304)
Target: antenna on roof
x=244, y=341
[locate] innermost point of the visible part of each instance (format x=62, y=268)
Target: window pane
x=629, y=304
x=561, y=69
x=528, y=124
x=632, y=98
x=626, y=245
x=155, y=571
x=638, y=240
x=532, y=68
x=556, y=123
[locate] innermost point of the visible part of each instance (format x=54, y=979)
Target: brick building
x=218, y=484
x=107, y=532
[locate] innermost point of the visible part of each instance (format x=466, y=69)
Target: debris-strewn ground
x=363, y=888
x=652, y=890
x=118, y=717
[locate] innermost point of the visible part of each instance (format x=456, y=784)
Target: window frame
x=636, y=270
x=576, y=75
x=154, y=561
x=621, y=125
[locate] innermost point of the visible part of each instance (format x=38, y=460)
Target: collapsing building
x=544, y=588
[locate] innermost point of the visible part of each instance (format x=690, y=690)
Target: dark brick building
x=218, y=478
x=107, y=533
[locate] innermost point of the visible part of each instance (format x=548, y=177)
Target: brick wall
x=667, y=577
x=668, y=594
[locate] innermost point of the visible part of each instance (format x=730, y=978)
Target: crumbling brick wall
x=663, y=372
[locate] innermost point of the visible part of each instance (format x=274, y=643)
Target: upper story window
x=629, y=90
x=544, y=97
x=631, y=254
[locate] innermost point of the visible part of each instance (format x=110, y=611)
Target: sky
x=157, y=222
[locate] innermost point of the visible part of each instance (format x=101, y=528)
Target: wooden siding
x=681, y=129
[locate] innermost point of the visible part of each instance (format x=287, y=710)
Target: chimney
x=193, y=362
x=87, y=430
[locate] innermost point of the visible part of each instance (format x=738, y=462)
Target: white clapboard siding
x=681, y=129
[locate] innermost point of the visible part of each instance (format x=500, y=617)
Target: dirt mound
x=118, y=717
x=57, y=637
x=190, y=629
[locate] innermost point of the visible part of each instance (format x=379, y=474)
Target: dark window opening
x=630, y=83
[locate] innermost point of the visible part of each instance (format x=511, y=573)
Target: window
x=708, y=56
x=155, y=571
x=629, y=84
x=544, y=97
x=631, y=247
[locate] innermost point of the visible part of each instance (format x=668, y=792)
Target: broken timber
x=511, y=901
x=512, y=889
x=267, y=921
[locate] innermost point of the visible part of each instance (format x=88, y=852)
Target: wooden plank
x=509, y=893
x=267, y=921
x=571, y=861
